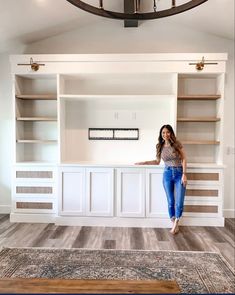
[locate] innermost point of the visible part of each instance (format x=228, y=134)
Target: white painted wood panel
x=99, y=191
x=131, y=192
x=73, y=197
x=156, y=201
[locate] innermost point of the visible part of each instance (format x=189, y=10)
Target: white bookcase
x=35, y=118
x=62, y=175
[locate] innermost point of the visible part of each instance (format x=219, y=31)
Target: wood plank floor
x=190, y=238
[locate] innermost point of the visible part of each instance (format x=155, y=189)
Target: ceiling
x=27, y=21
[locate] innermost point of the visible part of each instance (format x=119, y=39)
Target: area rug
x=195, y=272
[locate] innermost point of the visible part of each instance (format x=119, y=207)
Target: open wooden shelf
x=198, y=119
x=36, y=119
x=35, y=141
x=199, y=97
x=37, y=96
x=211, y=142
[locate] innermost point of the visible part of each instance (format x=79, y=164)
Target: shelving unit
x=36, y=118
x=63, y=175
x=199, y=117
x=115, y=100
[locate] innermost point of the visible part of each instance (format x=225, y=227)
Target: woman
x=170, y=150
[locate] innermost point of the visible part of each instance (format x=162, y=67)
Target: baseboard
x=136, y=222
x=32, y=218
x=229, y=213
x=5, y=209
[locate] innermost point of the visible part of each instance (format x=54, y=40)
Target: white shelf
x=35, y=119
x=206, y=142
x=199, y=97
x=135, y=97
x=35, y=141
x=37, y=96
x=198, y=119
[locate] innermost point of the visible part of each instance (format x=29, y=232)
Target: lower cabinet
x=72, y=195
x=99, y=191
x=34, y=189
x=86, y=191
x=156, y=201
x=130, y=192
x=137, y=193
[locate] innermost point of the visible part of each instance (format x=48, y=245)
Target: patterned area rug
x=195, y=272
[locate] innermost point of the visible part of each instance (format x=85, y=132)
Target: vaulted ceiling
x=27, y=21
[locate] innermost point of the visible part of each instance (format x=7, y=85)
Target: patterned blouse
x=170, y=157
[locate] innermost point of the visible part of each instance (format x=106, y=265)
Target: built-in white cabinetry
x=34, y=191
x=72, y=191
x=56, y=107
x=114, y=100
x=99, y=191
x=200, y=116
x=130, y=192
x=35, y=101
x=156, y=202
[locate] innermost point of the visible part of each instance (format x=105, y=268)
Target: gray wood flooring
x=190, y=238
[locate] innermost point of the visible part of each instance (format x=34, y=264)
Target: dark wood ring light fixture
x=136, y=14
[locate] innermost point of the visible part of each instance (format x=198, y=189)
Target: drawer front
x=34, y=189
x=210, y=177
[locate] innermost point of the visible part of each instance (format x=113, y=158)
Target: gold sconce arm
x=34, y=65
x=200, y=65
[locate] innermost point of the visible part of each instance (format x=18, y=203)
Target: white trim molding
x=5, y=209
x=229, y=213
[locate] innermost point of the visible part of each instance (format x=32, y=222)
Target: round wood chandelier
x=133, y=12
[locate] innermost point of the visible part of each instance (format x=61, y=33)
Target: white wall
x=6, y=136
x=156, y=36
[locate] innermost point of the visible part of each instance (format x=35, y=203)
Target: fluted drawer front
x=33, y=190
x=34, y=174
x=33, y=205
x=202, y=192
x=203, y=176
x=201, y=208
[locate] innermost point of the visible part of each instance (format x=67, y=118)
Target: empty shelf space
x=199, y=97
x=36, y=119
x=209, y=142
x=37, y=96
x=198, y=119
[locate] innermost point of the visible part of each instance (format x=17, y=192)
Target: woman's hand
x=184, y=180
x=140, y=163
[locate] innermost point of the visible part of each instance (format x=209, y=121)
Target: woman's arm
x=152, y=162
x=184, y=165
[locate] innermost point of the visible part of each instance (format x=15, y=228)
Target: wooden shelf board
x=212, y=142
x=36, y=119
x=198, y=119
x=199, y=97
x=37, y=96
x=35, y=141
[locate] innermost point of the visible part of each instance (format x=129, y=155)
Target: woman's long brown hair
x=173, y=142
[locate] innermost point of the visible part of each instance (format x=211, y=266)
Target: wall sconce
x=34, y=65
x=200, y=65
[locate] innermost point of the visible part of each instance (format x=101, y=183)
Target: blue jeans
x=175, y=191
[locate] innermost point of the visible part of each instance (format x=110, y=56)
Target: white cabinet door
x=99, y=191
x=131, y=192
x=156, y=205
x=72, y=196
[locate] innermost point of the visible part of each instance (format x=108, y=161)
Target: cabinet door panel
x=99, y=191
x=156, y=197
x=130, y=193
x=73, y=202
